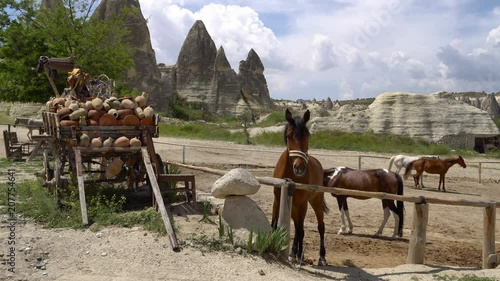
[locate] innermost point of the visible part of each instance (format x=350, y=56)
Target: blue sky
x=344, y=49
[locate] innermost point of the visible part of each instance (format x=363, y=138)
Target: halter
x=300, y=154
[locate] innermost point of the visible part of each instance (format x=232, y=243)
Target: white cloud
x=494, y=37
x=343, y=49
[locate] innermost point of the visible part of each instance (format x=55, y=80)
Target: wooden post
x=159, y=199
x=418, y=237
x=480, y=171
x=285, y=214
x=359, y=162
x=183, y=154
x=489, y=254
x=81, y=188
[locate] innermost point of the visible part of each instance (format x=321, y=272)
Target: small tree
x=28, y=31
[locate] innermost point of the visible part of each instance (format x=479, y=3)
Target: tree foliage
x=28, y=31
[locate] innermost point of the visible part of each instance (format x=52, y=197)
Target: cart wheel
x=49, y=173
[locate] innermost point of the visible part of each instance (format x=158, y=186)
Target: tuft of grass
x=220, y=227
x=272, y=242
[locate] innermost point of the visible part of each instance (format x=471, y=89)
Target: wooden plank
x=285, y=214
x=159, y=199
x=489, y=253
x=418, y=236
x=81, y=188
x=34, y=152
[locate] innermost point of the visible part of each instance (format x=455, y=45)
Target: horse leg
x=385, y=206
x=441, y=179
x=344, y=212
x=396, y=215
x=422, y=180
x=318, y=207
x=415, y=179
x=276, y=207
x=298, y=239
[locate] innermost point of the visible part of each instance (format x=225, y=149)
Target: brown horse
x=295, y=164
x=438, y=166
x=375, y=180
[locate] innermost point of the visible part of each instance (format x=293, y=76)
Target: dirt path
x=454, y=233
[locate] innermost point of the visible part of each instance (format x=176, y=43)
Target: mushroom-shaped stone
x=235, y=182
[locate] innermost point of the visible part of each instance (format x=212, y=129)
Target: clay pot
x=149, y=112
x=128, y=104
x=131, y=120
x=142, y=99
x=147, y=122
x=96, y=142
x=113, y=112
x=122, y=113
x=121, y=142
x=138, y=112
x=75, y=115
x=106, y=106
x=73, y=106
x=114, y=168
x=82, y=121
x=108, y=142
x=69, y=123
x=64, y=113
x=107, y=120
x=49, y=104
x=60, y=101
x=97, y=103
x=115, y=104
x=84, y=140
x=96, y=114
x=93, y=122
x=135, y=142
x=89, y=106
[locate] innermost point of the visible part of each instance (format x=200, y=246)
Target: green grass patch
x=201, y=131
x=105, y=207
x=275, y=118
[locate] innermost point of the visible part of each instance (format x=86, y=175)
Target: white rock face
x=243, y=215
x=235, y=182
x=428, y=116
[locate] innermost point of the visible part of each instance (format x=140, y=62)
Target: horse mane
x=299, y=128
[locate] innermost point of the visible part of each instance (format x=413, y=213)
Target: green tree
x=28, y=31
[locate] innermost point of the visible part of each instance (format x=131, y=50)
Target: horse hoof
x=292, y=259
x=322, y=261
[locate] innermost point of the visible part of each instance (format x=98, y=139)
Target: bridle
x=297, y=153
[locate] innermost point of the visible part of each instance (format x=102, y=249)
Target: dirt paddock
x=454, y=234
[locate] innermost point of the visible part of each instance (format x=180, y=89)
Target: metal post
x=480, y=168
x=183, y=154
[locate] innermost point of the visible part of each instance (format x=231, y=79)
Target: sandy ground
x=454, y=234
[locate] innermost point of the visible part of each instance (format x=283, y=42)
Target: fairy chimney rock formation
x=253, y=82
x=225, y=92
x=490, y=105
x=144, y=75
x=195, y=64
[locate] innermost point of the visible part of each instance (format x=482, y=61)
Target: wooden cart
x=81, y=162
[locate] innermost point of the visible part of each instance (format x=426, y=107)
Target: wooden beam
x=489, y=253
x=285, y=214
x=418, y=236
x=159, y=199
x=81, y=188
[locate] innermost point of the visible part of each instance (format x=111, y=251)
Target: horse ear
x=307, y=115
x=288, y=116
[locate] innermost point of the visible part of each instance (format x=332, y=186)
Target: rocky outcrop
x=432, y=117
x=253, y=82
x=235, y=182
x=203, y=74
x=145, y=74
x=490, y=105
x=329, y=104
x=195, y=65
x=225, y=88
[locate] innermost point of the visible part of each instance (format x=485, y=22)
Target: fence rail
x=418, y=236
x=359, y=157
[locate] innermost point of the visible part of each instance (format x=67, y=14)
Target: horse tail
x=390, y=162
x=400, y=206
x=326, y=210
x=408, y=169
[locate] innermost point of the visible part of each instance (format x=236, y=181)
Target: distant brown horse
x=296, y=164
x=438, y=166
x=374, y=180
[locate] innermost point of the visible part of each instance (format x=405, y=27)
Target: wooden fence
x=359, y=157
x=418, y=236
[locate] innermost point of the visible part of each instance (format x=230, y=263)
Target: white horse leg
x=384, y=221
x=422, y=180
x=343, y=228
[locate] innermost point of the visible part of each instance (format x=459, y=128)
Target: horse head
x=297, y=141
x=461, y=162
x=16, y=121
